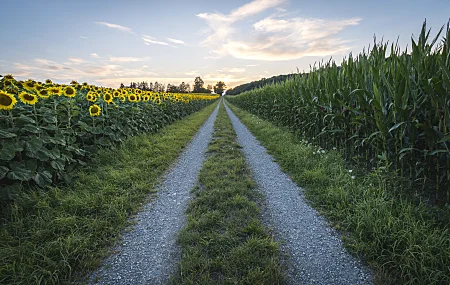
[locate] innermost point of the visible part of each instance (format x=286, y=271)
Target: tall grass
x=383, y=108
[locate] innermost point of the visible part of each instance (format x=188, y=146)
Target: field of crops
x=384, y=108
x=47, y=130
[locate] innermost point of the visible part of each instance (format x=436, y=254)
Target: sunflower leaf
x=6, y=135
x=3, y=171
x=43, y=178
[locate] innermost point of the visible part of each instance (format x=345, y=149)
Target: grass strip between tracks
x=224, y=241
x=56, y=236
x=399, y=238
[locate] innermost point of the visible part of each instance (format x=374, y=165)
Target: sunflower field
x=47, y=129
x=385, y=109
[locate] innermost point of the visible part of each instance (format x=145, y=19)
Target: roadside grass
x=400, y=239
x=59, y=235
x=224, y=242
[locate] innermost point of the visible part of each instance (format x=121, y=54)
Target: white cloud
x=84, y=38
x=192, y=73
x=128, y=59
x=115, y=26
x=145, y=66
x=275, y=37
x=176, y=41
x=76, y=60
x=251, y=65
x=151, y=40
x=232, y=70
x=95, y=55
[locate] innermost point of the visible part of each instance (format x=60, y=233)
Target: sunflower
x=108, y=98
x=8, y=83
x=48, y=81
x=91, y=97
x=69, y=91
x=122, y=98
x=73, y=82
x=27, y=98
x=7, y=101
x=29, y=84
x=8, y=77
x=116, y=93
x=43, y=93
x=158, y=101
x=132, y=98
x=85, y=84
x=138, y=91
x=55, y=90
x=145, y=98
x=95, y=110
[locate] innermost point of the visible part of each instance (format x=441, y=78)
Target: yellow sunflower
x=158, y=101
x=145, y=98
x=29, y=84
x=108, y=98
x=55, y=90
x=8, y=77
x=73, y=82
x=116, y=93
x=132, y=98
x=95, y=110
x=43, y=93
x=7, y=101
x=28, y=98
x=69, y=91
x=85, y=84
x=48, y=81
x=91, y=97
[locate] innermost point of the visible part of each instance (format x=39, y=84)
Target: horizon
x=111, y=42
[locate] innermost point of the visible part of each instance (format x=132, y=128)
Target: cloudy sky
x=106, y=42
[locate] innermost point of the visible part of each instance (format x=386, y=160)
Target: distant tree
x=150, y=86
x=121, y=85
x=220, y=87
x=182, y=88
x=260, y=83
x=209, y=87
x=172, y=88
x=188, y=88
x=198, y=85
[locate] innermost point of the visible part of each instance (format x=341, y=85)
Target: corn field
x=47, y=130
x=383, y=108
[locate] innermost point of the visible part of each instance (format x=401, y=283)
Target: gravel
x=148, y=253
x=315, y=250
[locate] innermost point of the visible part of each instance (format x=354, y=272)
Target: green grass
x=400, y=239
x=224, y=242
x=56, y=236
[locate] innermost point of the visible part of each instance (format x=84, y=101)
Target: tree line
x=183, y=87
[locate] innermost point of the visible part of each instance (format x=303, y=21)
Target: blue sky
x=106, y=42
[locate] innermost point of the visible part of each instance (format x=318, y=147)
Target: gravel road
x=316, y=252
x=148, y=253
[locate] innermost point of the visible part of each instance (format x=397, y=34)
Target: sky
x=108, y=42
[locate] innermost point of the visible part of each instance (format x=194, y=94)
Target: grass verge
x=224, y=242
x=400, y=239
x=56, y=236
